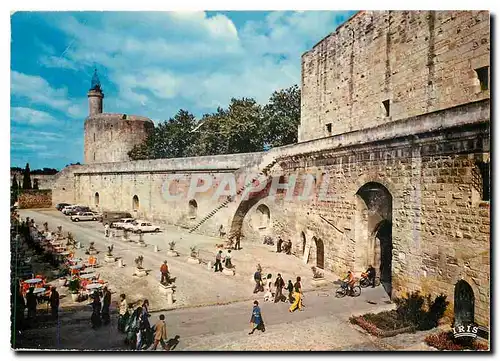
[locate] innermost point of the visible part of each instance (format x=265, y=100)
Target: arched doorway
x=374, y=232
x=320, y=253
x=463, y=304
x=96, y=199
x=193, y=209
x=135, y=203
x=263, y=216
x=303, y=238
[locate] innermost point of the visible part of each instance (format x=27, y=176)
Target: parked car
x=111, y=217
x=144, y=226
x=122, y=222
x=68, y=209
x=129, y=226
x=84, y=216
x=77, y=210
x=60, y=206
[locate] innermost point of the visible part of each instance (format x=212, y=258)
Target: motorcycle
x=364, y=281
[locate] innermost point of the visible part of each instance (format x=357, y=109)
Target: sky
x=149, y=63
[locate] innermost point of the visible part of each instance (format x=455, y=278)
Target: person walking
x=124, y=314
x=258, y=282
x=160, y=333
x=106, y=302
x=95, y=318
x=279, y=284
x=256, y=321
x=227, y=260
x=237, y=244
x=164, y=273
x=278, y=245
x=106, y=230
x=218, y=264
x=54, y=303
x=269, y=290
x=289, y=288
x=297, y=288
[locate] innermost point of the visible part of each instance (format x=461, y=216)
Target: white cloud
x=163, y=58
x=37, y=90
x=31, y=116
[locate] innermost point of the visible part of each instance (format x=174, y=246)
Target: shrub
x=420, y=311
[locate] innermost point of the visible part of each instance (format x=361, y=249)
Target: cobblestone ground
x=323, y=325
x=192, y=281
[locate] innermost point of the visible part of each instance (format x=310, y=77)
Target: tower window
x=482, y=75
x=329, y=128
x=387, y=107
x=94, y=155
x=94, y=137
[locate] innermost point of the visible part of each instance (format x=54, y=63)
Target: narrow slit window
x=482, y=75
x=387, y=107
x=329, y=128
x=485, y=175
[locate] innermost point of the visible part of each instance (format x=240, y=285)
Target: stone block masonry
x=382, y=66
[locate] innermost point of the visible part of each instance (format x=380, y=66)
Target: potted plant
x=71, y=240
x=172, y=252
x=59, y=230
x=141, y=240
x=46, y=227
x=109, y=255
x=139, y=269
x=74, y=289
x=91, y=250
x=193, y=256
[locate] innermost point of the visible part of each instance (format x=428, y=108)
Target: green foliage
x=411, y=310
x=245, y=126
x=74, y=285
x=26, y=177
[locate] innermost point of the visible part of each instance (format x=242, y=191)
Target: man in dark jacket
x=258, y=282
x=54, y=303
x=106, y=302
x=279, y=284
x=371, y=275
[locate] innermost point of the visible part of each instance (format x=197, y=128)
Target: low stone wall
x=35, y=198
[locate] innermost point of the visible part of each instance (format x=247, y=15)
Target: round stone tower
x=110, y=136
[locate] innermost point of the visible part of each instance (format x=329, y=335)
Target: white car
x=130, y=225
x=144, y=226
x=66, y=210
x=84, y=216
x=122, y=223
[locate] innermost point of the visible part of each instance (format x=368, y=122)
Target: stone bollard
x=120, y=263
x=78, y=245
x=156, y=248
x=209, y=265
x=170, y=297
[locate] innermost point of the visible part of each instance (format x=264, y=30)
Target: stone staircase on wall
x=262, y=174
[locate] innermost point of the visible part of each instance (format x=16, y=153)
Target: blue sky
x=149, y=63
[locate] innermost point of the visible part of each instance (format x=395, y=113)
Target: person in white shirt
x=268, y=285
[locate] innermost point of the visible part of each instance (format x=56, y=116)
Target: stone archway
x=135, y=203
x=320, y=253
x=193, y=209
x=374, y=231
x=463, y=304
x=304, y=241
x=96, y=199
x=263, y=216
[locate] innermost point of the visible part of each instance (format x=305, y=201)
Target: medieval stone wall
x=109, y=137
x=45, y=181
x=418, y=61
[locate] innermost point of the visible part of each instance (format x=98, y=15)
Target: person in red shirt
x=164, y=273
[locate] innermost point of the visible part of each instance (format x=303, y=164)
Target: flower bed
x=444, y=341
x=383, y=324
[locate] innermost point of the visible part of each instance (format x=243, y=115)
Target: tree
x=35, y=183
x=14, y=185
x=170, y=139
x=27, y=177
x=14, y=190
x=282, y=117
